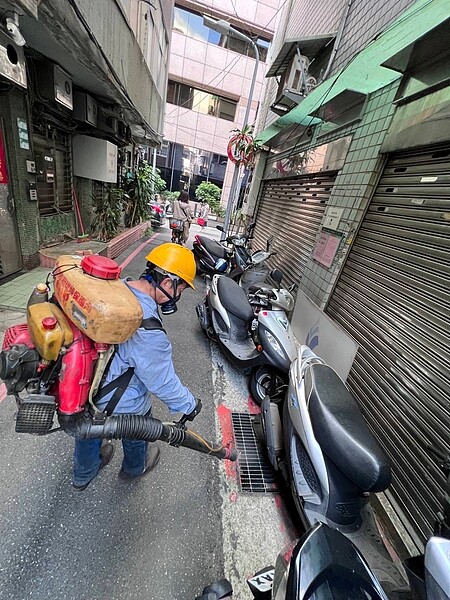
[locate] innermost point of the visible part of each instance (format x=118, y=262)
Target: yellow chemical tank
x=49, y=329
x=91, y=294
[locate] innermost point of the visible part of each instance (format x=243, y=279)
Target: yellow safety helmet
x=175, y=259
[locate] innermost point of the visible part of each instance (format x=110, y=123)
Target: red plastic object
x=101, y=267
x=18, y=334
x=49, y=323
x=76, y=373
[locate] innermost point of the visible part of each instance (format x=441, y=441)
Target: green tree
x=210, y=193
x=160, y=184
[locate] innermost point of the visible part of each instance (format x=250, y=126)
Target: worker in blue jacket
x=145, y=363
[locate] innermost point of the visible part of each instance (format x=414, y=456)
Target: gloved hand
x=191, y=416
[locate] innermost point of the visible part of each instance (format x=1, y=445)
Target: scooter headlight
x=275, y=344
x=289, y=302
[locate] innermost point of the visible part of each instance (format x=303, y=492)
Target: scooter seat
x=213, y=247
x=342, y=432
x=234, y=299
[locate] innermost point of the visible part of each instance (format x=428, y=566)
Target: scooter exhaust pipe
x=138, y=427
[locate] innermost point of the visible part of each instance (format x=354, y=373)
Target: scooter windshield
x=326, y=565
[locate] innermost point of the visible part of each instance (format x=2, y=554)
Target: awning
x=345, y=102
x=309, y=46
x=365, y=72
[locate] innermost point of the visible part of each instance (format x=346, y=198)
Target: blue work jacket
x=150, y=353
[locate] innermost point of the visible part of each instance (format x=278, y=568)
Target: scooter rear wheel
x=266, y=381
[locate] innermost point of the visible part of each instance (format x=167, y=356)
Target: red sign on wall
x=3, y=169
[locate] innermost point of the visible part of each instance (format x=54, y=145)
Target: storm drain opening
x=254, y=470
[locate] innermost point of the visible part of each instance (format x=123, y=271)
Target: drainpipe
x=154, y=174
x=337, y=41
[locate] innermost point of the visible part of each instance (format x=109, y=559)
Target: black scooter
x=213, y=258
x=326, y=565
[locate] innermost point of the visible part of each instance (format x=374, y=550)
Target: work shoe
x=150, y=463
x=106, y=454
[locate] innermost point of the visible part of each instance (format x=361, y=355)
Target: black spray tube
x=87, y=425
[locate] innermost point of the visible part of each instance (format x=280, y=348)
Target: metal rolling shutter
x=291, y=210
x=393, y=298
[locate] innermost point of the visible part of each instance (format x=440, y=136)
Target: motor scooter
x=214, y=258
x=326, y=565
x=262, y=345
x=318, y=439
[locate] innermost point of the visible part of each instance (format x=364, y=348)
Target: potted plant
x=108, y=207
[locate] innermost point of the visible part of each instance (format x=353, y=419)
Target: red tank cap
x=49, y=323
x=101, y=267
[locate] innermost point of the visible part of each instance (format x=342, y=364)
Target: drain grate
x=255, y=472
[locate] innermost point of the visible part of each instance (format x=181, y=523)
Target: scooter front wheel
x=266, y=381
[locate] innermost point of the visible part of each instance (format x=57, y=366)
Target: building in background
x=209, y=81
x=81, y=85
x=354, y=187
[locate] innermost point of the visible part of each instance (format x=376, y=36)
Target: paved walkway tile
x=16, y=292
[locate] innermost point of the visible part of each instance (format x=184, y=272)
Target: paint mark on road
x=226, y=427
x=136, y=252
x=3, y=391
x=253, y=408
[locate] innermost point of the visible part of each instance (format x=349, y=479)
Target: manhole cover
x=255, y=472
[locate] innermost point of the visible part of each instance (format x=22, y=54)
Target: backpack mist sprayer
x=54, y=363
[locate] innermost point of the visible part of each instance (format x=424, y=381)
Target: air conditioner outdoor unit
x=12, y=61
x=107, y=123
x=84, y=108
x=54, y=84
x=294, y=81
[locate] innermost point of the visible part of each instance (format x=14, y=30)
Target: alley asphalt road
x=156, y=539
x=182, y=527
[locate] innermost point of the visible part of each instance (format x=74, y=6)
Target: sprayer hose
x=87, y=425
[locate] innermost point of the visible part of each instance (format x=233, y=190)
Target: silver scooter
x=261, y=345
x=324, y=449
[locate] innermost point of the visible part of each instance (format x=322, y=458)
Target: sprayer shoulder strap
x=120, y=384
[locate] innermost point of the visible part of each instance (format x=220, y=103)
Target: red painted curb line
x=136, y=252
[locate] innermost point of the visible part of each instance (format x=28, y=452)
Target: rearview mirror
x=219, y=227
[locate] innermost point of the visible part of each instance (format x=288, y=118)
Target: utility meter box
x=94, y=159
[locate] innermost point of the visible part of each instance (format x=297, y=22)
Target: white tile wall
x=309, y=17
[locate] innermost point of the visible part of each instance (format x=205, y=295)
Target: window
x=191, y=24
x=164, y=150
x=227, y=109
x=200, y=101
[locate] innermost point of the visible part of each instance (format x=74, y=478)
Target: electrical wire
x=116, y=77
x=316, y=105
x=323, y=98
